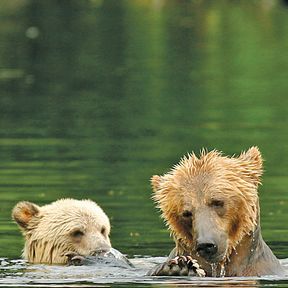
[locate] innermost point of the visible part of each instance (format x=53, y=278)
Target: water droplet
x=235, y=251
x=222, y=271
x=253, y=236
x=214, y=269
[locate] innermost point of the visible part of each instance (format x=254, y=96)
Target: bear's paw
x=179, y=266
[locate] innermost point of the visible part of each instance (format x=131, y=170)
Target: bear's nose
x=206, y=250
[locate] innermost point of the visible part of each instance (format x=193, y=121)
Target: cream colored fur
x=67, y=225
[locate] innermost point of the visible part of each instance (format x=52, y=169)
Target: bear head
x=67, y=225
x=210, y=202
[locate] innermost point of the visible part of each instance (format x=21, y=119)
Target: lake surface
x=97, y=96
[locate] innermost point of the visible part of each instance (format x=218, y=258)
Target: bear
x=62, y=229
x=210, y=204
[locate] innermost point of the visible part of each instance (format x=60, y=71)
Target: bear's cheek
x=181, y=226
x=234, y=228
x=228, y=225
x=185, y=227
x=235, y=225
x=83, y=246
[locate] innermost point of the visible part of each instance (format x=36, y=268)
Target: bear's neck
x=252, y=257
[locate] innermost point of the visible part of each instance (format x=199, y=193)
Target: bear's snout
x=210, y=237
x=207, y=250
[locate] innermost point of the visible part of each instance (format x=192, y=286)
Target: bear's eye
x=217, y=203
x=187, y=214
x=77, y=233
x=103, y=230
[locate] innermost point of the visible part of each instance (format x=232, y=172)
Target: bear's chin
x=217, y=259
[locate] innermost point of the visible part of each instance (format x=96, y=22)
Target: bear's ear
x=23, y=212
x=252, y=164
x=155, y=182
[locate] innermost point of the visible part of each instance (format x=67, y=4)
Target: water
x=21, y=274
x=97, y=96
x=214, y=271
x=222, y=271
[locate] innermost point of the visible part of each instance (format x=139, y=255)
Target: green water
x=97, y=96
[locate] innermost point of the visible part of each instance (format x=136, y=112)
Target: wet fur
x=194, y=185
x=48, y=229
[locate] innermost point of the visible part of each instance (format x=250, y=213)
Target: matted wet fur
x=210, y=204
x=64, y=226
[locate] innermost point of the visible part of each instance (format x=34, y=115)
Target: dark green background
x=97, y=96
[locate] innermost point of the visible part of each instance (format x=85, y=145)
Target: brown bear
x=210, y=203
x=63, y=227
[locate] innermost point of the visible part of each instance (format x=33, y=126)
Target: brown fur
x=66, y=225
x=221, y=194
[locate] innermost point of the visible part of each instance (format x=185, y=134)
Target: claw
x=190, y=258
x=77, y=260
x=180, y=266
x=196, y=265
x=193, y=265
x=175, y=260
x=194, y=261
x=200, y=272
x=74, y=258
x=183, y=258
x=70, y=254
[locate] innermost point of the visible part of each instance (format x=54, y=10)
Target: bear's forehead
x=74, y=212
x=203, y=187
x=203, y=175
x=65, y=223
x=210, y=163
x=199, y=182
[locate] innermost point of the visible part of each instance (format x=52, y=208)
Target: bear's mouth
x=217, y=258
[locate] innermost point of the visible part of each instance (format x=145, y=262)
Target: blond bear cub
x=65, y=226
